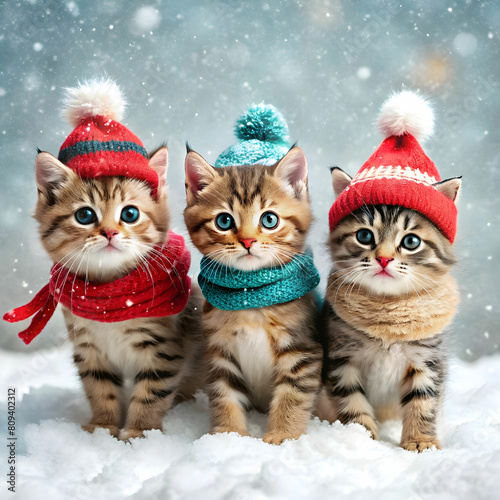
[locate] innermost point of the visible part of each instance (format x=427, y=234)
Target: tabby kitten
x=389, y=298
x=251, y=218
x=102, y=228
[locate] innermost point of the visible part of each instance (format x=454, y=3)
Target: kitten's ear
x=292, y=168
x=50, y=172
x=340, y=180
x=159, y=161
x=199, y=174
x=450, y=188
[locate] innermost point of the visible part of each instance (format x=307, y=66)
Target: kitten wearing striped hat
x=249, y=217
x=118, y=272
x=390, y=295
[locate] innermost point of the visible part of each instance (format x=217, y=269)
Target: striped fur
x=268, y=358
x=385, y=339
x=132, y=371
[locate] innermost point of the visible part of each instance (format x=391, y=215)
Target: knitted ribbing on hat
x=263, y=138
x=157, y=288
x=233, y=289
x=399, y=172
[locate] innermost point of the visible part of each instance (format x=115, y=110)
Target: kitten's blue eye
x=411, y=242
x=224, y=222
x=85, y=216
x=129, y=214
x=365, y=236
x=269, y=220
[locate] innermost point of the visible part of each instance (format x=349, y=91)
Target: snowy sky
x=190, y=68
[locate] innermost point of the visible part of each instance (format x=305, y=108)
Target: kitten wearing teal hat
x=249, y=216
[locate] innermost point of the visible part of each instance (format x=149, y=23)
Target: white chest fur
x=383, y=370
x=114, y=343
x=252, y=350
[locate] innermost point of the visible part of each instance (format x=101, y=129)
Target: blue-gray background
x=189, y=68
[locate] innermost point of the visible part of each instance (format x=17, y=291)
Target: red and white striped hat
x=399, y=172
x=100, y=146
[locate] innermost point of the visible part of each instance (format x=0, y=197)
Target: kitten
x=80, y=219
x=252, y=218
x=388, y=301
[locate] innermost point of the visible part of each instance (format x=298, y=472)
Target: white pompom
x=95, y=97
x=406, y=113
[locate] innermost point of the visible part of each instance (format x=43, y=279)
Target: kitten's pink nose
x=247, y=242
x=384, y=261
x=109, y=234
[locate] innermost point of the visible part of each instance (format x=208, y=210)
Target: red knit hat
x=99, y=146
x=399, y=172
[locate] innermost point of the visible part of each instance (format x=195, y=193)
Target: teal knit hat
x=263, y=138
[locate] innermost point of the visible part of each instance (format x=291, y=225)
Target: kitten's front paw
x=421, y=445
x=127, y=434
x=220, y=430
x=277, y=437
x=113, y=429
x=373, y=433
x=368, y=423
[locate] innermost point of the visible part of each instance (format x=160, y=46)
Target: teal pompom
x=262, y=135
x=262, y=122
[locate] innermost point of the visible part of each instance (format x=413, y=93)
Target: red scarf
x=156, y=289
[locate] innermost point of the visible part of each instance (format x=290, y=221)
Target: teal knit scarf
x=232, y=289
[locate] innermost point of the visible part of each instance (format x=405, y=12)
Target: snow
x=57, y=460
x=363, y=73
x=188, y=70
x=465, y=44
x=146, y=19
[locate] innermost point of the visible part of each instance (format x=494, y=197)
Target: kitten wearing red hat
x=390, y=295
x=120, y=275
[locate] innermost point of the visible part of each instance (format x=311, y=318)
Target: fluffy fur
x=266, y=358
x=132, y=371
x=386, y=310
x=93, y=98
x=406, y=113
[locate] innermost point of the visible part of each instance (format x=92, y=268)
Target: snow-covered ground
x=56, y=460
